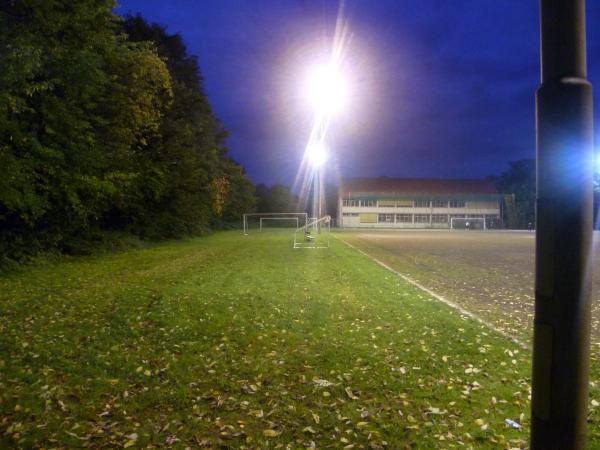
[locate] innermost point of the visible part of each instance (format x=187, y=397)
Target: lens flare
x=316, y=153
x=328, y=92
x=327, y=89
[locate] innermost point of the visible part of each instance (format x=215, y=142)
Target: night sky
x=438, y=88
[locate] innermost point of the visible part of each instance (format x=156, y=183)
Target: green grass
x=243, y=342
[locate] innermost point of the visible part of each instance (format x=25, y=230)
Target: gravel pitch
x=490, y=273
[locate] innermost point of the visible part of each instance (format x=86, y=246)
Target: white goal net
x=468, y=223
x=314, y=234
x=260, y=221
x=278, y=222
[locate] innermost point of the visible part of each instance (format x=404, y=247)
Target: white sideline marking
x=450, y=303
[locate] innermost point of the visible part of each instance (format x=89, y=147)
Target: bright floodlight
x=316, y=154
x=327, y=89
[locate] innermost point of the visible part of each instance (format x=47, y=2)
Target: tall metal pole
x=319, y=193
x=564, y=231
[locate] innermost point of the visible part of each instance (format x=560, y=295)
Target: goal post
x=302, y=219
x=468, y=223
x=294, y=220
x=304, y=239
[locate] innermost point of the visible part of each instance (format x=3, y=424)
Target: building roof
x=416, y=186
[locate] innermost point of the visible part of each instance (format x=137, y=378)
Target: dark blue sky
x=440, y=88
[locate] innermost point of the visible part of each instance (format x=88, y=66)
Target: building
x=417, y=203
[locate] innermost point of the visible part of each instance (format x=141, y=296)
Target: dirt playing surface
x=489, y=273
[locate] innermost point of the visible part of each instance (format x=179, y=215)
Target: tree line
x=517, y=184
x=105, y=127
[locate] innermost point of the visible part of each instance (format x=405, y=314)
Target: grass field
x=242, y=342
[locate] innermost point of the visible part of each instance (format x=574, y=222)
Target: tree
x=75, y=98
x=241, y=197
x=596, y=199
x=191, y=153
x=517, y=183
x=104, y=126
x=277, y=198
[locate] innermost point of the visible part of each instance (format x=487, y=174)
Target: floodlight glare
x=327, y=89
x=316, y=153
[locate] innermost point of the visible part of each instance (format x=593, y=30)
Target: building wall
x=431, y=216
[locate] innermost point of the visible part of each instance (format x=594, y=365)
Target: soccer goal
x=468, y=223
x=257, y=221
x=314, y=234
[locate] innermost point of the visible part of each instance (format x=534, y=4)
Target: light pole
x=564, y=232
x=316, y=153
x=327, y=93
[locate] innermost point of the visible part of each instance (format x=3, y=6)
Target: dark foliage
x=275, y=199
x=517, y=184
x=104, y=125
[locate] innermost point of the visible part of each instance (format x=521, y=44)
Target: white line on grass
x=442, y=299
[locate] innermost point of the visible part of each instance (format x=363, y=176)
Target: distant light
x=316, y=153
x=327, y=89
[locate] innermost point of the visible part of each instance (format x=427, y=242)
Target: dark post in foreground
x=564, y=231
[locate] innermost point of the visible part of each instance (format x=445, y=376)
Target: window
x=387, y=203
x=440, y=203
x=386, y=218
x=439, y=218
x=422, y=218
x=352, y=203
x=350, y=214
x=345, y=203
x=456, y=204
x=421, y=203
x=369, y=203
x=404, y=203
x=404, y=218
x=475, y=216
